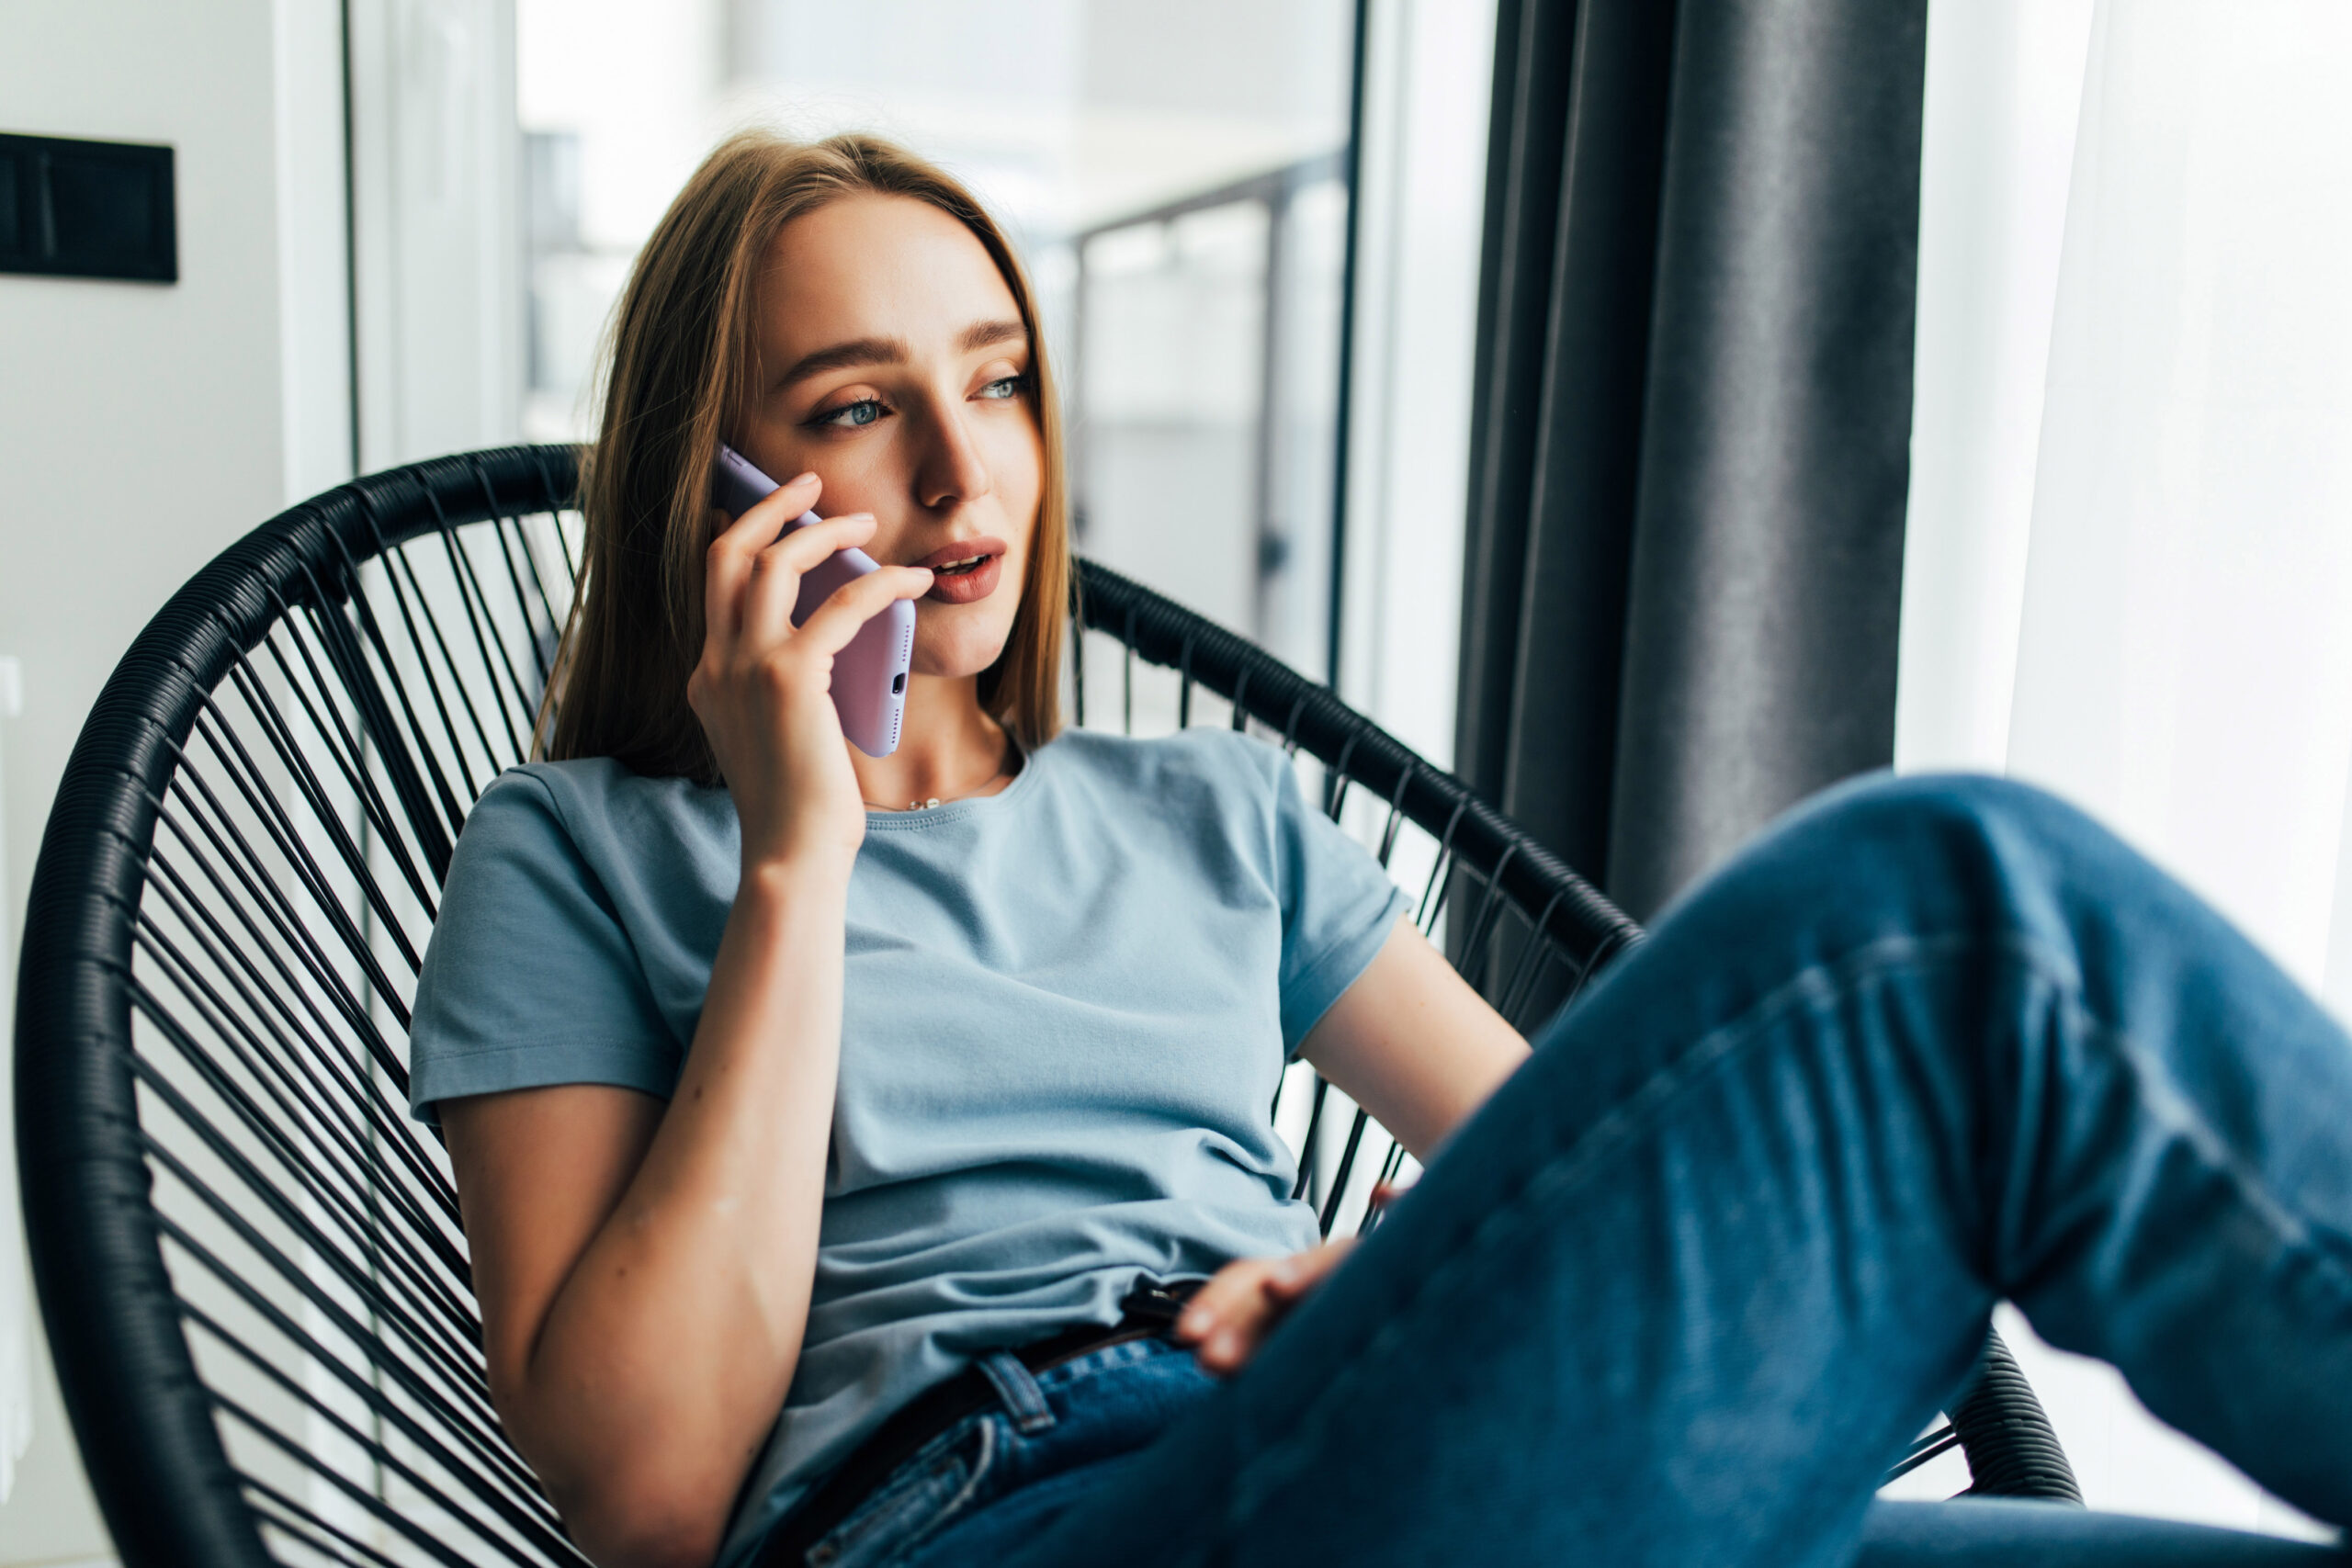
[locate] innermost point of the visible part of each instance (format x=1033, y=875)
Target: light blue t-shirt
x=1066, y=1009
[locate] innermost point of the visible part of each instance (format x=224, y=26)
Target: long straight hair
x=681, y=369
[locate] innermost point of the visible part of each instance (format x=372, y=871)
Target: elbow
x=643, y=1517
x=630, y=1505
x=638, y=1531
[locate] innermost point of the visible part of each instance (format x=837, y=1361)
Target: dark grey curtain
x=1691, y=426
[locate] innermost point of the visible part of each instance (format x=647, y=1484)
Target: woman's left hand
x=1232, y=1315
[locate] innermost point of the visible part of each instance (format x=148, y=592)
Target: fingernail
x=1225, y=1346
x=804, y=476
x=1194, y=1323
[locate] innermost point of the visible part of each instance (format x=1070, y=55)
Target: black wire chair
x=248, y=1255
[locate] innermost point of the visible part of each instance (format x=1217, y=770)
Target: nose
x=952, y=471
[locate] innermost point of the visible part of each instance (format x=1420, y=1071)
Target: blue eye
x=1005, y=387
x=856, y=415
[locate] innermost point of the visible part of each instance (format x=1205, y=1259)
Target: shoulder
x=545, y=792
x=593, y=802
x=535, y=973
x=591, y=787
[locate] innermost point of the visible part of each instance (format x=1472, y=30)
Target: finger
x=1233, y=1321
x=727, y=561
x=832, y=624
x=803, y=549
x=1235, y=1312
x=783, y=503
x=773, y=588
x=1230, y=1348
x=1228, y=1297
x=1244, y=1327
x=1301, y=1272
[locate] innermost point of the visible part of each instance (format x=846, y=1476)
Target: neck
x=947, y=747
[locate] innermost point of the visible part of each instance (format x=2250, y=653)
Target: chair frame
x=150, y=1429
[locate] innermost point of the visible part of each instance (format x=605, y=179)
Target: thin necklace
x=1013, y=748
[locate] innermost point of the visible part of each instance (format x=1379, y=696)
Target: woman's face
x=893, y=365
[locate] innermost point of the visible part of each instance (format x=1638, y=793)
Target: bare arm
x=1411, y=1042
x=644, y=1271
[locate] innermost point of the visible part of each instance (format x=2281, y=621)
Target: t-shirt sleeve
x=530, y=978
x=1338, y=907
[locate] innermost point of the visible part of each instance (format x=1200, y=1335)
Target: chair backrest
x=249, y=1255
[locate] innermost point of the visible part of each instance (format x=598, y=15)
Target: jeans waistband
x=1006, y=1377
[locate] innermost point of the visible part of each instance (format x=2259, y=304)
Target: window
x=1175, y=175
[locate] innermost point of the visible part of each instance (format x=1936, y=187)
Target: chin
x=952, y=651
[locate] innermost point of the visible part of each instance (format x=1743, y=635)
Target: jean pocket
x=921, y=1495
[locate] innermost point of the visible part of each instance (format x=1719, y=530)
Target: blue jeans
x=1689, y=1281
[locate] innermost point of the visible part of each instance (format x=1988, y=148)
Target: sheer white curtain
x=2129, y=573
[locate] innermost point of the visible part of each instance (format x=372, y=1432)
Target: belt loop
x=1014, y=1384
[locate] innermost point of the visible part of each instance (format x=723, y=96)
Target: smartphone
x=870, y=674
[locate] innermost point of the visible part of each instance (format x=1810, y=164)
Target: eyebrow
x=895, y=350
x=985, y=334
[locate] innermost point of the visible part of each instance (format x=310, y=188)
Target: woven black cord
x=1943, y=1441
x=322, y=807
x=369, y=635
x=348, y=1201
x=457, y=1363
x=539, y=1525
x=263, y=897
x=450, y=667
x=245, y=977
x=280, y=1513
x=490, y=1453
x=1347, y=1166
x=464, y=1416
x=349, y=757
x=484, y=625
x=499, y=522
x=312, y=1533
x=2012, y=1450
x=1307, y=1141
x=385, y=1513
x=267, y=809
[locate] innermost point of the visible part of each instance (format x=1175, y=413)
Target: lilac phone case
x=870, y=674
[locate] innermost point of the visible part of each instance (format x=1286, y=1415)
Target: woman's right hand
x=763, y=687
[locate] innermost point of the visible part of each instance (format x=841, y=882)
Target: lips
x=965, y=571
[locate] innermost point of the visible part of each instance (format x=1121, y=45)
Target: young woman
x=833, y=1132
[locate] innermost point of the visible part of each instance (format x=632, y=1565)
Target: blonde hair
x=682, y=367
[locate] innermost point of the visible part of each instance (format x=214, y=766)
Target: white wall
x=144, y=427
